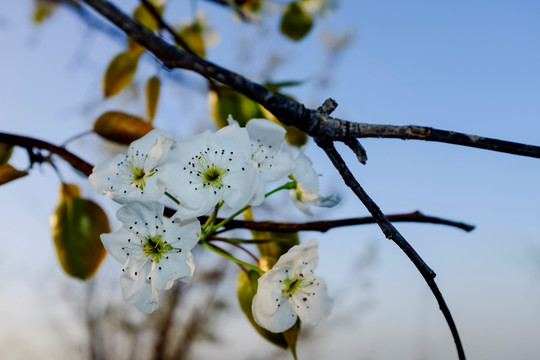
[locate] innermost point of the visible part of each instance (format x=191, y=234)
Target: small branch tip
x=328, y=106
x=358, y=150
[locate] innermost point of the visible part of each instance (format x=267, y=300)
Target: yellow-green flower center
x=291, y=285
x=139, y=175
x=155, y=248
x=212, y=175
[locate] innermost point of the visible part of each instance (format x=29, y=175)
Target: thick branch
x=391, y=233
x=326, y=225
x=314, y=122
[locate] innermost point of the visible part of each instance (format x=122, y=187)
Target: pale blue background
x=468, y=66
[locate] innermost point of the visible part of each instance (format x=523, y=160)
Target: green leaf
x=5, y=153
x=193, y=37
x=121, y=127
x=145, y=18
x=295, y=23
x=9, y=173
x=76, y=226
x=152, y=97
x=119, y=73
x=247, y=288
x=224, y=101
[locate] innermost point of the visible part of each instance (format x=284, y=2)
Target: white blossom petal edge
x=290, y=290
x=307, y=187
x=134, y=176
x=270, y=152
x=211, y=167
x=155, y=252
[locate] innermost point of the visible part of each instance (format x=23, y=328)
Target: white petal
x=183, y=151
x=281, y=165
x=121, y=242
x=145, y=143
x=305, y=175
x=158, y=153
x=269, y=289
x=104, y=175
x=301, y=205
x=300, y=258
x=173, y=266
x=143, y=219
x=231, y=120
x=314, y=307
x=282, y=319
x=182, y=234
x=269, y=149
x=266, y=132
x=240, y=185
x=139, y=291
x=326, y=201
x=234, y=138
x=260, y=190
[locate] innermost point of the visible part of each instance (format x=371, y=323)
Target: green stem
x=172, y=198
x=287, y=186
x=226, y=255
x=211, y=220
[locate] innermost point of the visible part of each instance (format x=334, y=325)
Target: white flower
x=155, y=251
x=209, y=168
x=270, y=152
x=290, y=290
x=134, y=176
x=307, y=187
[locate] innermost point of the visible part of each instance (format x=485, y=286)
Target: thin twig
x=75, y=137
x=413, y=132
x=325, y=225
x=391, y=233
x=249, y=253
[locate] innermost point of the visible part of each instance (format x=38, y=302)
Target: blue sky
x=465, y=66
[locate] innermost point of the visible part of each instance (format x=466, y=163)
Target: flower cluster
x=229, y=168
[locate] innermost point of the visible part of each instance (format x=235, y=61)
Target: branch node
x=328, y=106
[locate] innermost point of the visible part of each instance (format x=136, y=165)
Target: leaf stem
x=226, y=255
x=172, y=198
